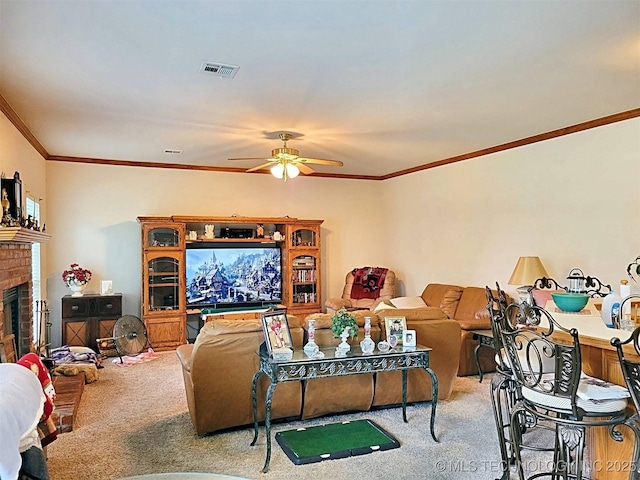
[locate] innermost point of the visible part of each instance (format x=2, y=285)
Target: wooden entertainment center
x=166, y=239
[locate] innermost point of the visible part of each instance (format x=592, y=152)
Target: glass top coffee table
x=303, y=367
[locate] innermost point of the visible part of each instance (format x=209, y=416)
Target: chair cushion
x=384, y=305
x=408, y=302
x=443, y=296
x=473, y=306
x=591, y=397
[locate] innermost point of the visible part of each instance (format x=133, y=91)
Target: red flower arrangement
x=76, y=275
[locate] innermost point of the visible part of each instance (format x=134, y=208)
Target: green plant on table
x=342, y=319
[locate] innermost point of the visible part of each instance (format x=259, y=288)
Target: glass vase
x=367, y=345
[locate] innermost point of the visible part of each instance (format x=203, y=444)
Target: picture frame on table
x=409, y=338
x=394, y=326
x=106, y=287
x=277, y=335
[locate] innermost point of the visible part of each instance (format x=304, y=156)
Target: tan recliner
x=386, y=292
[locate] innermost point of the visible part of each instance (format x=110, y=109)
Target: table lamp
x=526, y=272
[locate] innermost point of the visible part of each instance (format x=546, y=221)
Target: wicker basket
x=107, y=347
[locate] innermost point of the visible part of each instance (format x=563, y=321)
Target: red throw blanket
x=367, y=282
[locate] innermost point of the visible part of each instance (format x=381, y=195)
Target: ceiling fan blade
x=306, y=169
x=319, y=161
x=260, y=167
x=249, y=158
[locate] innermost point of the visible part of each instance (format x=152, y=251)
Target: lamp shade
x=277, y=170
x=292, y=170
x=527, y=271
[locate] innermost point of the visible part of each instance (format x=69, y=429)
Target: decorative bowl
x=570, y=302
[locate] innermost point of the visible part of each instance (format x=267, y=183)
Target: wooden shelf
x=233, y=240
x=22, y=235
x=236, y=219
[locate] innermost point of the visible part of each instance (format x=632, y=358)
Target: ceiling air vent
x=219, y=69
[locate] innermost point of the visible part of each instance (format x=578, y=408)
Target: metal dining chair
x=561, y=398
x=631, y=371
x=504, y=390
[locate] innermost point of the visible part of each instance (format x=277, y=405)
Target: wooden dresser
x=86, y=318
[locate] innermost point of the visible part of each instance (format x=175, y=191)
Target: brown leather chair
x=386, y=292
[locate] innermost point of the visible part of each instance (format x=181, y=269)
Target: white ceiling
x=380, y=85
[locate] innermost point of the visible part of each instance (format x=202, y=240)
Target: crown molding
x=598, y=122
x=22, y=128
x=579, y=127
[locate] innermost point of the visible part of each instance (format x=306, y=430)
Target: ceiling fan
x=287, y=163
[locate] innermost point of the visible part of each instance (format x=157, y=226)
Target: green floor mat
x=335, y=440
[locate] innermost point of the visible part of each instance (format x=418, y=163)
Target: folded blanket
x=134, y=359
x=367, y=282
x=66, y=354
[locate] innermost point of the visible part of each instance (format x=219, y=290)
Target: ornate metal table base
x=485, y=339
x=301, y=367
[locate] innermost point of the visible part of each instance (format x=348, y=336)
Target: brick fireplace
x=16, y=285
x=17, y=291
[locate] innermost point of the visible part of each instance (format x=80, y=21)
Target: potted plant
x=76, y=278
x=342, y=319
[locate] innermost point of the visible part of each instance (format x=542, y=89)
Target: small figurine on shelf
x=343, y=347
x=260, y=231
x=30, y=223
x=6, y=216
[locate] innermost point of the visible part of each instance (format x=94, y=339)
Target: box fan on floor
x=129, y=338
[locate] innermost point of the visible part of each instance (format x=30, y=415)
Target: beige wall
x=16, y=154
x=97, y=227
x=574, y=201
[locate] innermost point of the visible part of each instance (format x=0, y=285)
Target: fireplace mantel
x=22, y=235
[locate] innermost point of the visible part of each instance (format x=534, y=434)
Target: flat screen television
x=222, y=275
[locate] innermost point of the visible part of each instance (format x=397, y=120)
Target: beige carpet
x=134, y=421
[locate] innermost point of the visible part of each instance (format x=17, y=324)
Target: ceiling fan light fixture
x=292, y=170
x=277, y=170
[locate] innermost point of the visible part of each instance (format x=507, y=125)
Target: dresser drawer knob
x=75, y=307
x=109, y=306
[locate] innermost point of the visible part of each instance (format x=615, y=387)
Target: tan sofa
x=218, y=369
x=468, y=307
x=219, y=366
